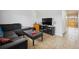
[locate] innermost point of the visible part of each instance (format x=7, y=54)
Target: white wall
x=57, y=17
x=25, y=17
x=28, y=17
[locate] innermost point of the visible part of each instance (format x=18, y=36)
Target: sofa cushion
x=1, y=32
x=10, y=34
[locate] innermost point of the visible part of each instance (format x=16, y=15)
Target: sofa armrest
x=19, y=32
x=16, y=42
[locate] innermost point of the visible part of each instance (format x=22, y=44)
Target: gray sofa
x=15, y=33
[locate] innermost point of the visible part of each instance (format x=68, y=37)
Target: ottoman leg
x=33, y=42
x=42, y=37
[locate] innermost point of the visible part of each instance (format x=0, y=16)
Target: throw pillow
x=1, y=32
x=4, y=40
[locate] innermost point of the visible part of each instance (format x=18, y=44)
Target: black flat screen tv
x=47, y=21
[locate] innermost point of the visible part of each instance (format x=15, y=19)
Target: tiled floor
x=53, y=42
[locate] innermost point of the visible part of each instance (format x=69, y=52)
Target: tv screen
x=47, y=21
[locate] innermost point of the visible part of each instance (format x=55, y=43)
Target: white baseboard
x=59, y=34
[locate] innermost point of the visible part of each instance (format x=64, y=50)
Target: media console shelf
x=48, y=29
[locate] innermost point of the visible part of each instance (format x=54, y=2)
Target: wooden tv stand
x=48, y=29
